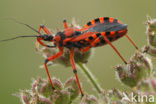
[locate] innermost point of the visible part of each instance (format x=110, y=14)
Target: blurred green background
x=19, y=62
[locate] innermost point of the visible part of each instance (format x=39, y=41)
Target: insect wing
x=104, y=24
x=83, y=36
x=99, y=25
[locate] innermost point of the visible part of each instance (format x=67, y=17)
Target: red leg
x=105, y=38
x=131, y=41
x=65, y=24
x=45, y=30
x=39, y=39
x=51, y=59
x=74, y=69
x=97, y=40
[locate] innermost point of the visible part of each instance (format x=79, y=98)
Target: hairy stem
x=91, y=77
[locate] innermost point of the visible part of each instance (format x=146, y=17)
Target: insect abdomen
x=111, y=36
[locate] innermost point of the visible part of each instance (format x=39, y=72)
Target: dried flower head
x=139, y=67
x=151, y=31
x=89, y=100
x=42, y=92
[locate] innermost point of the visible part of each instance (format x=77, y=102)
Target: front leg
x=51, y=59
x=39, y=39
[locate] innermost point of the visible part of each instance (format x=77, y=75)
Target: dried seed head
x=26, y=96
x=89, y=100
x=71, y=86
x=113, y=96
x=147, y=85
x=42, y=92
x=139, y=67
x=40, y=100
x=151, y=31
x=149, y=50
x=44, y=88
x=63, y=97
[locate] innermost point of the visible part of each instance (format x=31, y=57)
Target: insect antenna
x=19, y=22
x=24, y=36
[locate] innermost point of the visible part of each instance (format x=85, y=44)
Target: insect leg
x=74, y=69
x=65, y=24
x=131, y=41
x=106, y=39
x=45, y=30
x=51, y=59
x=39, y=39
x=97, y=40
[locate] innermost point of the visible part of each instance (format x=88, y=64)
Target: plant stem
x=91, y=77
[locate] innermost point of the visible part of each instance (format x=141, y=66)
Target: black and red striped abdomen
x=111, y=36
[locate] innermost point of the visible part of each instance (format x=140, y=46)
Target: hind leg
x=106, y=39
x=92, y=44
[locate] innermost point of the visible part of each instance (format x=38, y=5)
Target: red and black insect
x=97, y=32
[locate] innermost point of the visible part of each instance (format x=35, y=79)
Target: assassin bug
x=97, y=32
